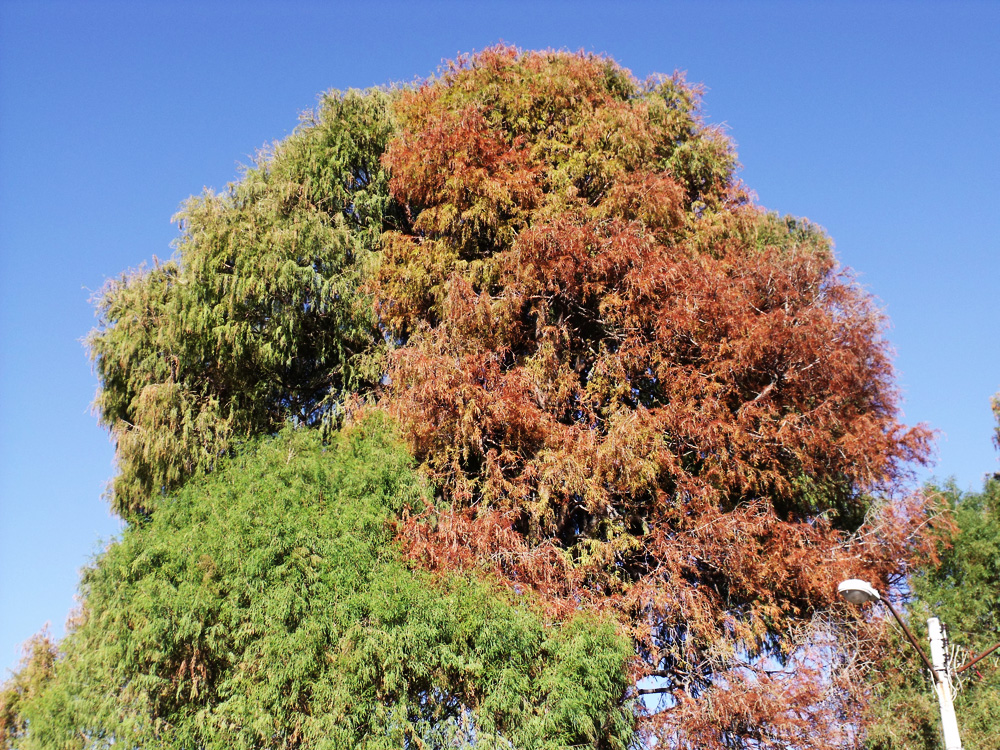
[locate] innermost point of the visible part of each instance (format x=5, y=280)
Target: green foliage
x=266, y=606
x=25, y=687
x=963, y=590
x=259, y=318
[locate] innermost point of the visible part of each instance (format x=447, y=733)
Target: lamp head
x=857, y=591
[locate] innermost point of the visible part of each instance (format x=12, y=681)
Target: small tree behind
x=961, y=587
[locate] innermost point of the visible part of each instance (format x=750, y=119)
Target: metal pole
x=912, y=639
x=977, y=659
x=942, y=686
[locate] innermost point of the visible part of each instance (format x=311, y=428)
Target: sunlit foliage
x=636, y=389
x=266, y=606
x=20, y=695
x=635, y=394
x=257, y=320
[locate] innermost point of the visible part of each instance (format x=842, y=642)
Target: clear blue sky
x=878, y=120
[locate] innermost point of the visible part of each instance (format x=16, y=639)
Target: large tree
x=636, y=393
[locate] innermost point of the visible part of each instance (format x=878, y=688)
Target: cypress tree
x=657, y=425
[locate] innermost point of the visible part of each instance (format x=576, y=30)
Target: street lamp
x=857, y=591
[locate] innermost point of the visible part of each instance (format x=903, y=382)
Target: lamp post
x=858, y=592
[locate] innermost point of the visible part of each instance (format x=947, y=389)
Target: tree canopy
x=638, y=397
x=635, y=388
x=258, y=320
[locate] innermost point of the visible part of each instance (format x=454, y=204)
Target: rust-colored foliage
x=637, y=391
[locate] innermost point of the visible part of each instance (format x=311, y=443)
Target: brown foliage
x=637, y=391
